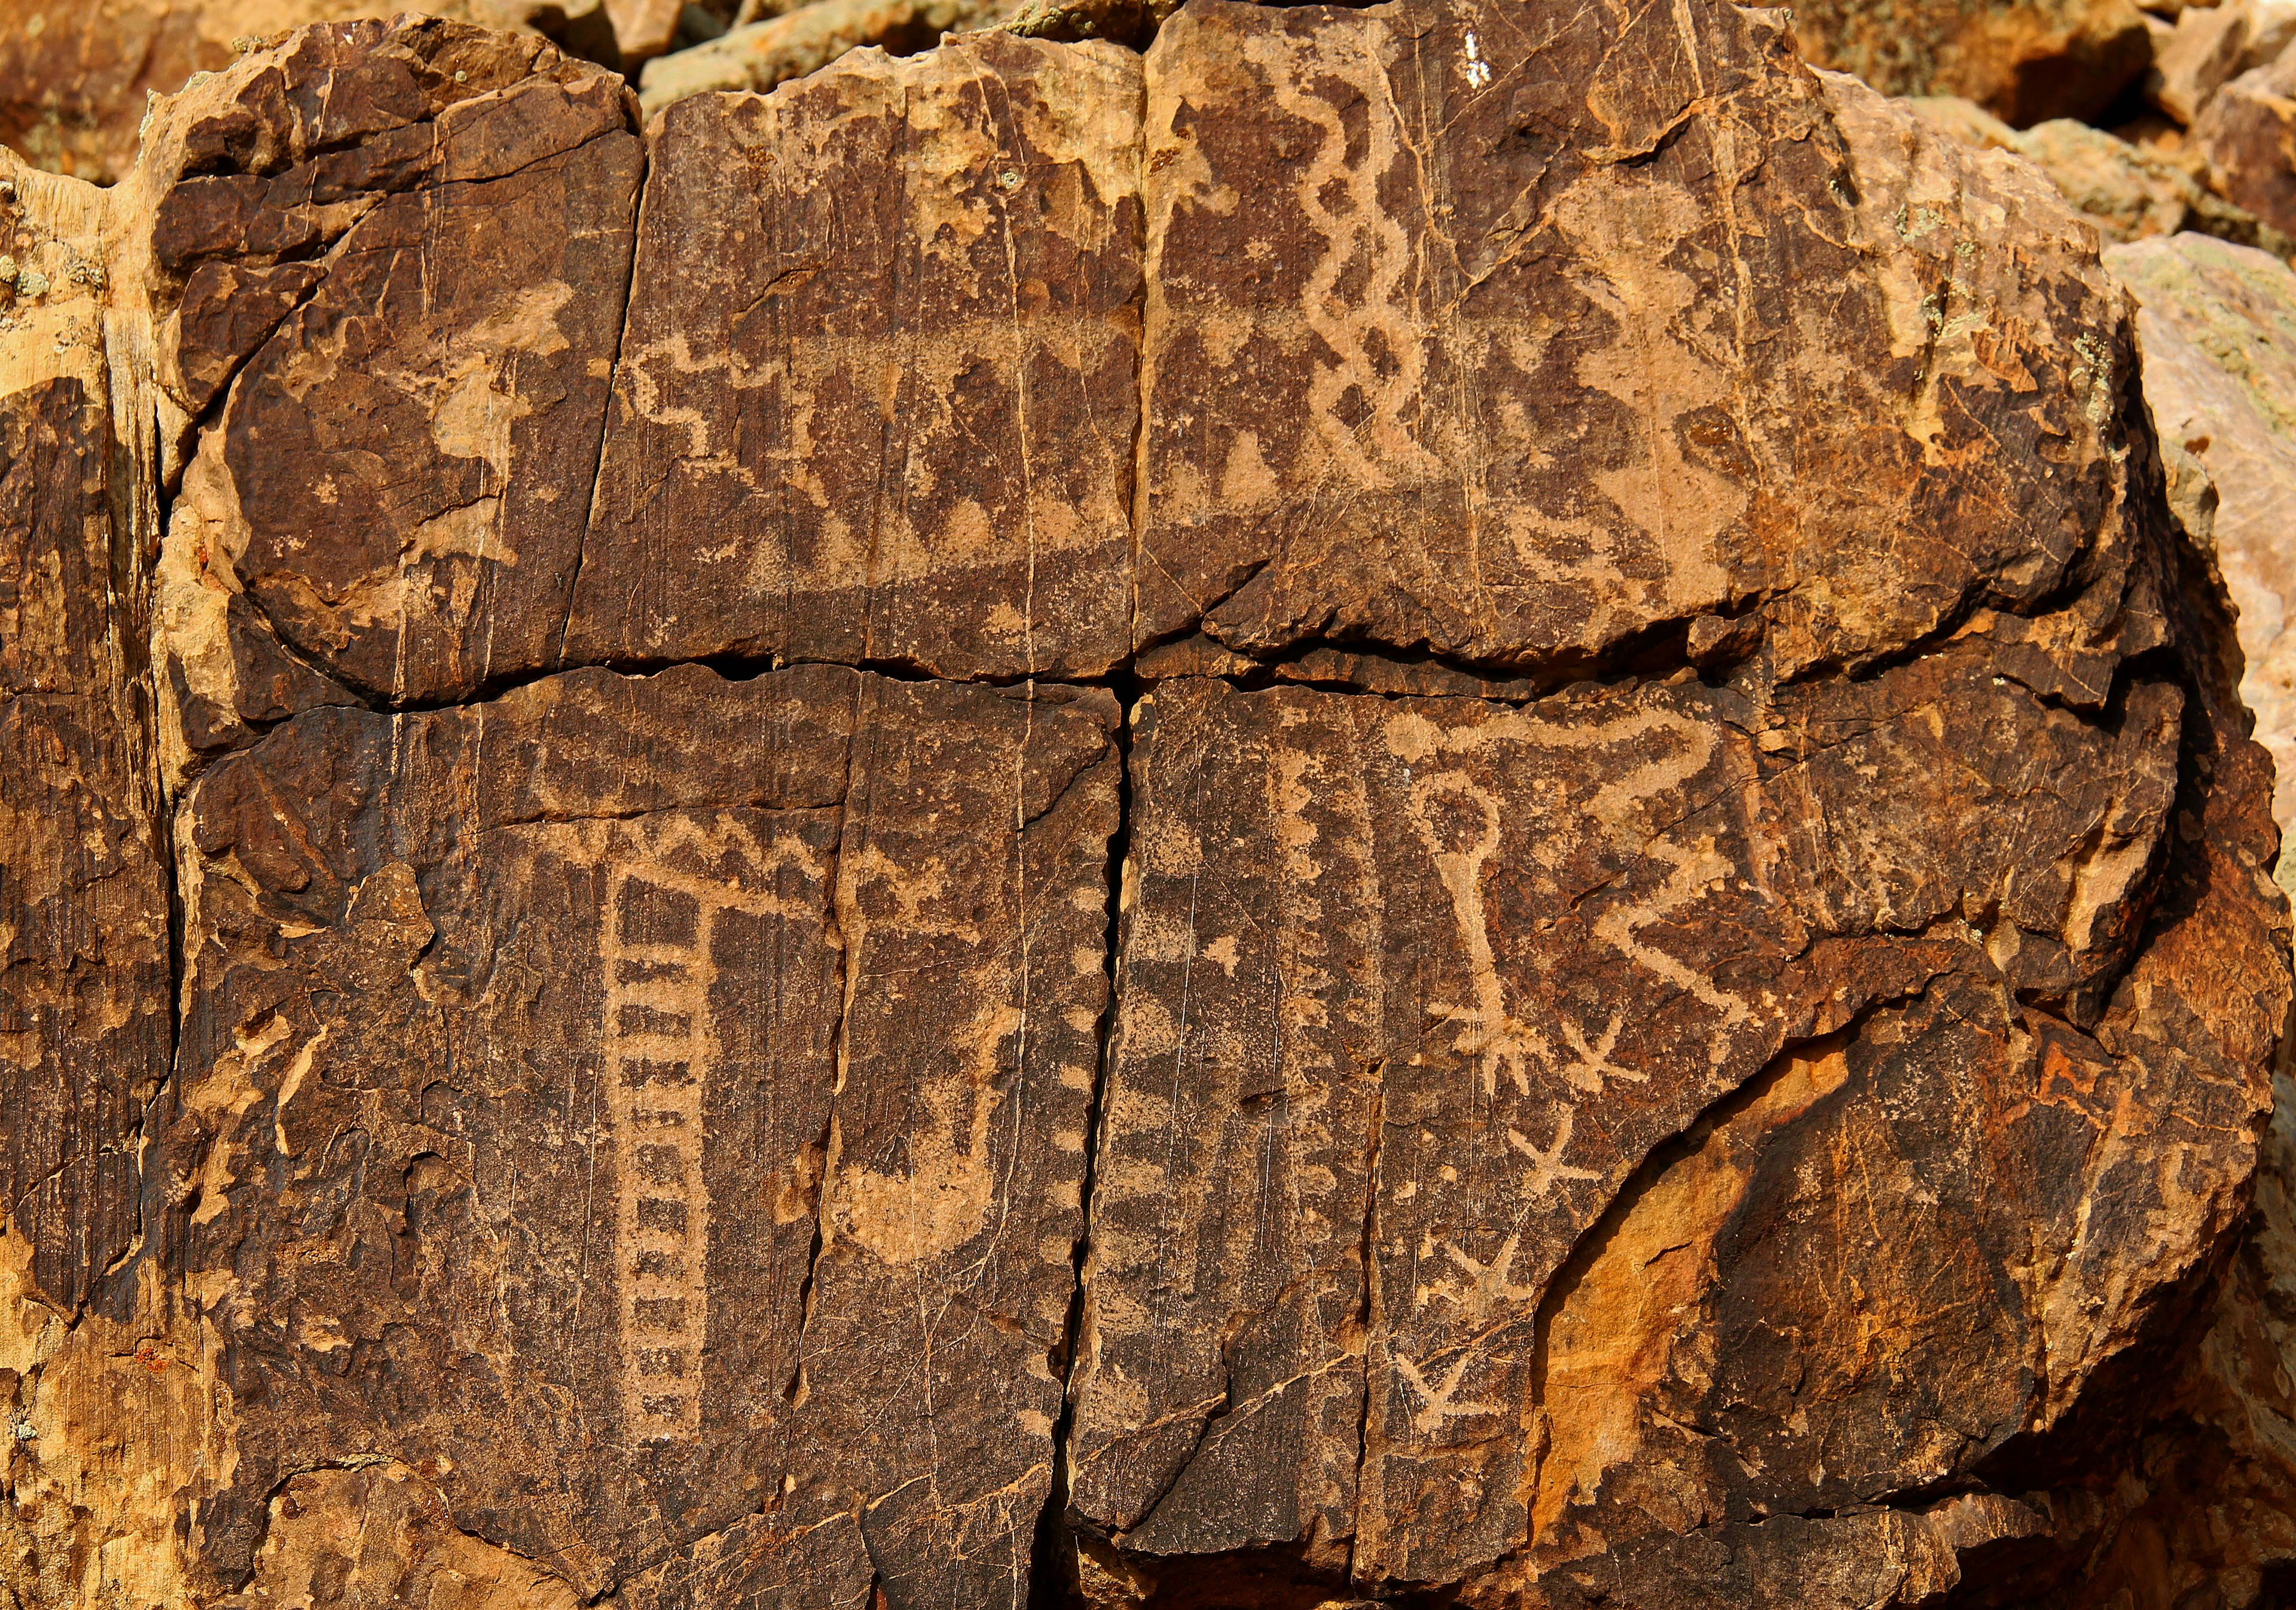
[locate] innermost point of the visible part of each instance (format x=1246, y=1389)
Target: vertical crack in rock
x=1052, y=1553
x=840, y=898
x=1371, y=1319
x=557, y=659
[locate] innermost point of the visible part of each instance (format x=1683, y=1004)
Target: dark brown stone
x=1688, y=1012
x=84, y=1025
x=1488, y=341
x=878, y=401
x=399, y=478
x=642, y=1144
x=1376, y=968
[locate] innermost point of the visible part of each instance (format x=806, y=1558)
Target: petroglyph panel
x=879, y=403
x=676, y=890
x=1564, y=1139
x=1409, y=988
x=400, y=306
x=1490, y=331
x=631, y=1143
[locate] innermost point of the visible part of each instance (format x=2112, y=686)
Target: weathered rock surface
x=85, y=1025
x=2248, y=133
x=1419, y=805
x=2026, y=61
x=75, y=79
x=423, y=279
x=734, y=1112
x=884, y=407
x=2209, y=46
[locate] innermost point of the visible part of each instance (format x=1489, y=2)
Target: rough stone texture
x=1691, y=993
x=733, y=1115
x=2026, y=61
x=76, y=79
x=2199, y=1515
x=1436, y=1110
x=1490, y=401
x=84, y=1030
x=2248, y=133
x=422, y=277
x=883, y=408
x=85, y=1027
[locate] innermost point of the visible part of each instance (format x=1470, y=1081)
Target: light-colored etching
x=1499, y=1040
x=1593, y=1064
x=942, y=1197
x=1440, y=1403
x=1547, y=1168
x=655, y=936
x=1372, y=332
x=1489, y=1289
x=1487, y=1032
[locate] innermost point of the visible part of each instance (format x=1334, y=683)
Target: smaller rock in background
x=2024, y=60
x=805, y=38
x=2208, y=46
x=2128, y=191
x=2246, y=133
x=2218, y=325
x=2200, y=55
x=1963, y=120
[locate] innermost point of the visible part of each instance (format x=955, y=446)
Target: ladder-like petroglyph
x=654, y=947
x=658, y=964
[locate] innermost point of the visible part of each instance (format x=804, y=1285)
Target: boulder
x=2209, y=46
x=2246, y=134
x=2219, y=327
x=1416, y=804
x=2024, y=60
x=759, y=55
x=2130, y=193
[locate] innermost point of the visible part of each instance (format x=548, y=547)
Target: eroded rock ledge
x=1416, y=805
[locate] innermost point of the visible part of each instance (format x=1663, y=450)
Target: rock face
x=84, y=963
x=885, y=408
x=75, y=79
x=840, y=1083
x=1421, y=805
